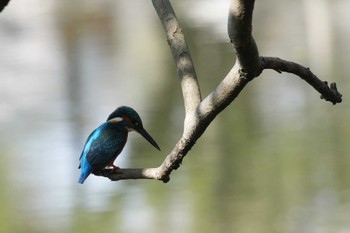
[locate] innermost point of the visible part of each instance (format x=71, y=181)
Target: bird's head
x=131, y=120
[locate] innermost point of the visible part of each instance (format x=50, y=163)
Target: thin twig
x=329, y=93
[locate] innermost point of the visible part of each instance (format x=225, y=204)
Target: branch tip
x=166, y=179
x=328, y=92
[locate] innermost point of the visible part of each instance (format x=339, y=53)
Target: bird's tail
x=83, y=177
x=86, y=170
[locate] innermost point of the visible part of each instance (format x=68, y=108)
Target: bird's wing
x=104, y=145
x=87, y=140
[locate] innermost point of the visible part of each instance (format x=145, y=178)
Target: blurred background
x=276, y=160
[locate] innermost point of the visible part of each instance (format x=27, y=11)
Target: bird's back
x=101, y=148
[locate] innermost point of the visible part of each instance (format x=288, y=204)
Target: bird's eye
x=136, y=123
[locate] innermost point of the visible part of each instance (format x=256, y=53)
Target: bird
x=107, y=141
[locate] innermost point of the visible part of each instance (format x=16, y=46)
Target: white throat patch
x=130, y=129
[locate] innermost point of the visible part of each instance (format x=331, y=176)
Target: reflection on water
x=275, y=161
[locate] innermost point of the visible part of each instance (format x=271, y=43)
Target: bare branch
x=329, y=93
x=247, y=65
x=199, y=114
x=3, y=4
x=130, y=173
x=176, y=40
x=239, y=29
x=224, y=94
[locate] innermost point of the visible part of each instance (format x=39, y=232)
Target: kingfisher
x=107, y=141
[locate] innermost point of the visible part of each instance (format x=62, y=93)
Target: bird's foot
x=110, y=169
x=113, y=168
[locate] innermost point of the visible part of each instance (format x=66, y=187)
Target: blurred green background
x=276, y=160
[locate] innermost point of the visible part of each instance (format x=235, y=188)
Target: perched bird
x=106, y=142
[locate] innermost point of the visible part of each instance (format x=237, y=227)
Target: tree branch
x=3, y=4
x=329, y=93
x=199, y=114
x=129, y=173
x=177, y=42
x=239, y=29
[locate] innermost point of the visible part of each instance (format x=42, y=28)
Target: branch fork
x=200, y=113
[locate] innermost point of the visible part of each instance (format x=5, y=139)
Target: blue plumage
x=106, y=142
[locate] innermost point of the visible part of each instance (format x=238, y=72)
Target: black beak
x=148, y=137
